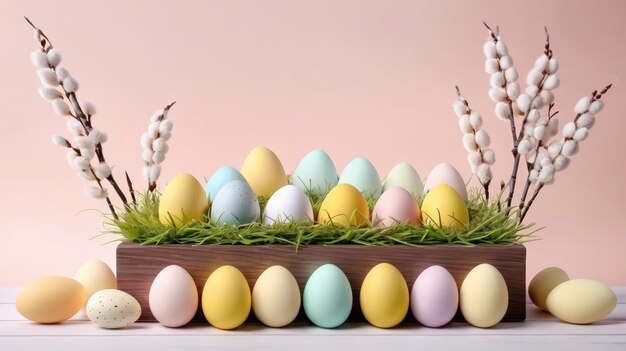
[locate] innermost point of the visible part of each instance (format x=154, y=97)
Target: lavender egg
x=434, y=297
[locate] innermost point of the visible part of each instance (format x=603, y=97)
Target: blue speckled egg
x=219, y=178
x=315, y=173
x=235, y=204
x=327, y=297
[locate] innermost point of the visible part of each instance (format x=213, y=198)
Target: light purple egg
x=434, y=297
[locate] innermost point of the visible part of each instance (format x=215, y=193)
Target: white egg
x=288, y=204
x=444, y=173
x=112, y=309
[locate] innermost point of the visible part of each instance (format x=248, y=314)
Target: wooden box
x=137, y=266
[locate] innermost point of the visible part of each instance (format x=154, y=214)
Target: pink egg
x=395, y=205
x=444, y=173
x=434, y=297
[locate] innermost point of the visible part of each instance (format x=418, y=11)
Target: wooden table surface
x=540, y=332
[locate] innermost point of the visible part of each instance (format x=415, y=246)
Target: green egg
x=327, y=297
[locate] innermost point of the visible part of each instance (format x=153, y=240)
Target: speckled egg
x=219, y=179
x=263, y=171
x=362, y=174
x=444, y=173
x=316, y=173
x=405, y=176
x=288, y=204
x=112, y=309
x=396, y=205
x=235, y=204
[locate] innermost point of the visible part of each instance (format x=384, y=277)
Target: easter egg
x=405, y=176
x=316, y=173
x=173, y=297
x=226, y=298
x=434, y=297
x=443, y=207
x=235, y=204
x=543, y=282
x=444, y=173
x=51, y=299
x=384, y=296
x=344, y=205
x=581, y=301
x=361, y=174
x=183, y=200
x=263, y=171
x=113, y=309
x=276, y=297
x=94, y=276
x=484, y=297
x=219, y=178
x=396, y=205
x=327, y=297
x=288, y=204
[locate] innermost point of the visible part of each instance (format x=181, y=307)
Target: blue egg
x=361, y=174
x=315, y=173
x=219, y=178
x=327, y=297
x=235, y=204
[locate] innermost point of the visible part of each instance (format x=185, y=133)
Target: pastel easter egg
x=182, y=200
x=94, y=276
x=396, y=205
x=344, y=205
x=226, y=298
x=542, y=284
x=444, y=173
x=315, y=174
x=484, y=297
x=235, y=204
x=51, y=299
x=113, y=309
x=362, y=174
x=327, y=297
x=443, y=207
x=219, y=179
x=288, y=204
x=434, y=297
x=263, y=171
x=405, y=176
x=581, y=301
x=276, y=297
x=173, y=297
x=384, y=296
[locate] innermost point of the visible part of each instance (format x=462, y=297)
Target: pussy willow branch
x=81, y=117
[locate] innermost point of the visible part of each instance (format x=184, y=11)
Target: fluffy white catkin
x=154, y=144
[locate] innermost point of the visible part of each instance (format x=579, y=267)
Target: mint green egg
x=362, y=174
x=316, y=173
x=327, y=297
x=405, y=176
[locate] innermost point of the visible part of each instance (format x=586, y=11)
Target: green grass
x=488, y=224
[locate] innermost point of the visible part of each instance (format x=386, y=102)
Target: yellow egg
x=344, y=205
x=263, y=171
x=384, y=296
x=543, y=282
x=484, y=297
x=581, y=301
x=95, y=275
x=226, y=298
x=183, y=200
x=51, y=299
x=444, y=207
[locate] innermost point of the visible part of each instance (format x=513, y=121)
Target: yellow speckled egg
x=581, y=301
x=484, y=297
x=543, y=282
x=263, y=171
x=51, y=299
x=226, y=298
x=384, y=296
x=183, y=200
x=444, y=207
x=344, y=205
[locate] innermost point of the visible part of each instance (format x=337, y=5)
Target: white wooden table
x=540, y=332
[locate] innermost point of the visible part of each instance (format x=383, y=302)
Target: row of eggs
x=233, y=195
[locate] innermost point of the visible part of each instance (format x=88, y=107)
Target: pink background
x=357, y=78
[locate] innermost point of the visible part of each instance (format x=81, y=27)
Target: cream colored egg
x=263, y=171
x=581, y=301
x=51, y=299
x=484, y=297
x=183, y=200
x=112, y=309
x=276, y=297
x=543, y=282
x=95, y=275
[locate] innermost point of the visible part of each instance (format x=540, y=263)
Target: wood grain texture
x=137, y=266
